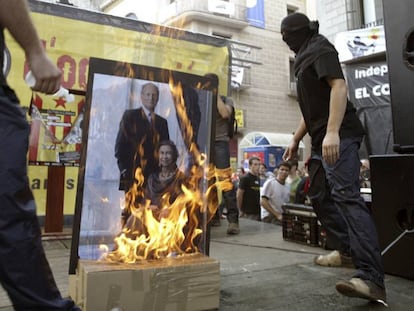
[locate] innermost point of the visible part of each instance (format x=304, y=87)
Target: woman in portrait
x=164, y=186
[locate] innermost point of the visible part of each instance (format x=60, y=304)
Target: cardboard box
x=187, y=283
x=300, y=224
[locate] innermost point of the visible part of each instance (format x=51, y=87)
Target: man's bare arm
x=239, y=196
x=14, y=16
x=337, y=107
x=266, y=205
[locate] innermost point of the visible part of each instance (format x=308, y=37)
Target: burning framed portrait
x=145, y=188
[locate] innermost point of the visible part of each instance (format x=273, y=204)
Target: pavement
x=261, y=271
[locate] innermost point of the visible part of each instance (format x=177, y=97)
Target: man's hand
x=330, y=147
x=279, y=216
x=46, y=73
x=291, y=151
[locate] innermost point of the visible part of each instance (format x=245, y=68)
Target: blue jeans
x=222, y=161
x=335, y=194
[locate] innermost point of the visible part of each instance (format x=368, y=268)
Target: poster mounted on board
x=132, y=112
x=56, y=133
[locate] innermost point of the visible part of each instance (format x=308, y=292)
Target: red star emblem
x=60, y=102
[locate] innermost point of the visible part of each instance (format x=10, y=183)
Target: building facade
x=337, y=16
x=264, y=84
x=264, y=93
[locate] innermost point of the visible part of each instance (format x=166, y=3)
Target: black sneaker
x=364, y=289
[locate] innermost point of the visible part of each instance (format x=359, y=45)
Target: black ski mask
x=295, y=30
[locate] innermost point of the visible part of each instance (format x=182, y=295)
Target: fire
x=173, y=228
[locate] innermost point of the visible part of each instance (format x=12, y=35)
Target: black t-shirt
x=251, y=196
x=314, y=96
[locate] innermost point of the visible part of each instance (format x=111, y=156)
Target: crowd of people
x=261, y=192
x=296, y=183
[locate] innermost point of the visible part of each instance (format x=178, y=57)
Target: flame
x=173, y=228
x=223, y=179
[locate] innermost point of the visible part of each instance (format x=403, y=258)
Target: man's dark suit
x=136, y=144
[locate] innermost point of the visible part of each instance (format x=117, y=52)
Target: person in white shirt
x=274, y=193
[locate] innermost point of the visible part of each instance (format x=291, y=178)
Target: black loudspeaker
x=399, y=34
x=392, y=182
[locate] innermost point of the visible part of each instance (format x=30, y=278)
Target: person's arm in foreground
x=337, y=107
x=239, y=197
x=292, y=150
x=14, y=15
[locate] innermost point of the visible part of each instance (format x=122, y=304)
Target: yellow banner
x=71, y=42
x=38, y=184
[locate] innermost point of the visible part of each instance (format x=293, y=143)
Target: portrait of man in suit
x=139, y=133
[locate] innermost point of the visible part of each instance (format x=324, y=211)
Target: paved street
x=261, y=271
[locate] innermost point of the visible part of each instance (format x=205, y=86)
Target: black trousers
x=24, y=270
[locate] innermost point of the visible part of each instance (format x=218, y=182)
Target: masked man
x=336, y=133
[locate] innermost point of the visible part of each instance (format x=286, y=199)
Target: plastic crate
x=300, y=224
